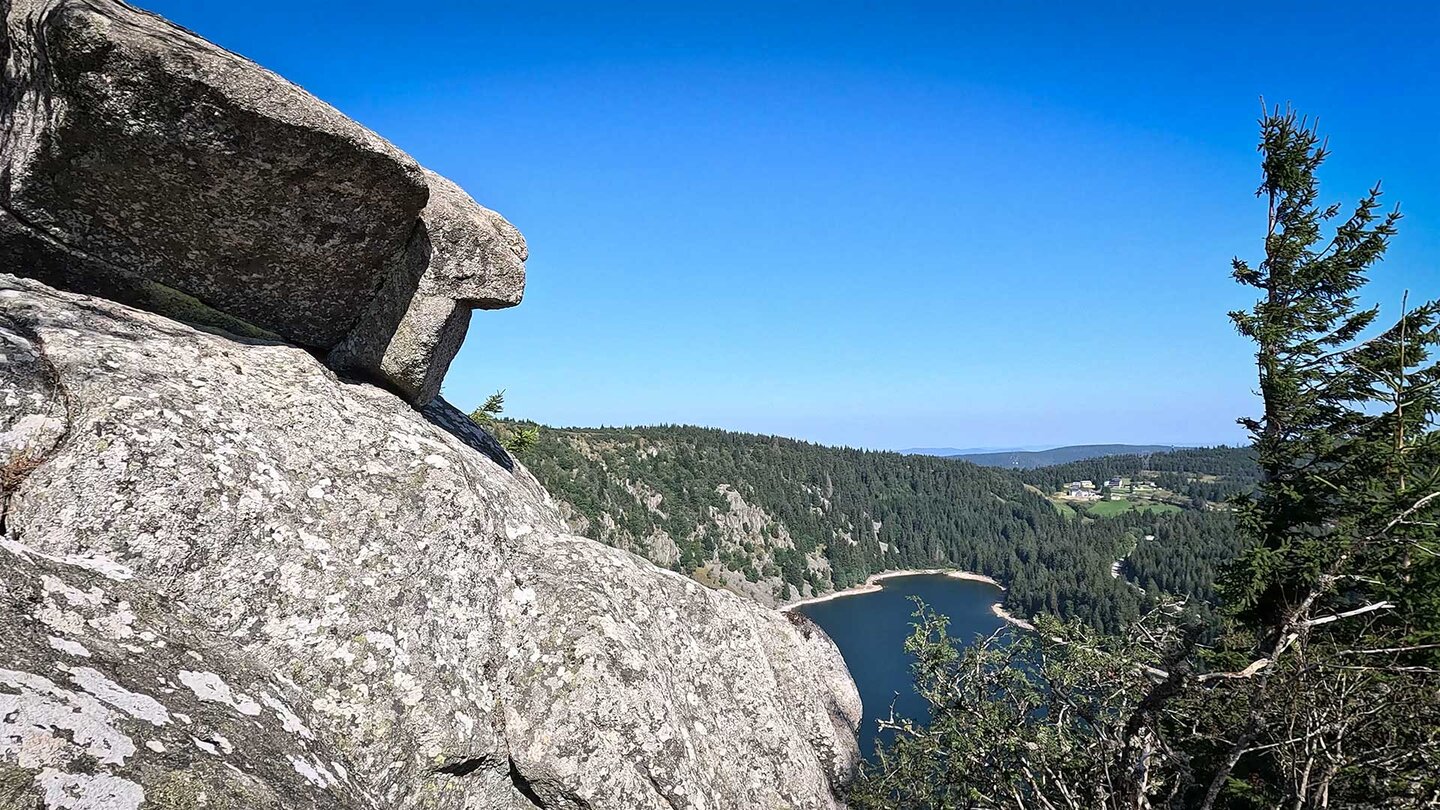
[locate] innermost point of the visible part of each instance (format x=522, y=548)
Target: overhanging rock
x=142, y=163
x=461, y=256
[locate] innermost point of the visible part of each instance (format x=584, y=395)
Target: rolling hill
x=1031, y=459
x=778, y=519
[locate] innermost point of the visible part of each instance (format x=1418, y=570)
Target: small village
x=1087, y=490
x=1116, y=495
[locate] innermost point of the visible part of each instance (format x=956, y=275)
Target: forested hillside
x=779, y=519
x=1212, y=474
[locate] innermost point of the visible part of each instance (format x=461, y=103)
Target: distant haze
x=961, y=451
x=1030, y=459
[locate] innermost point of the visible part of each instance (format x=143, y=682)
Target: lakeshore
x=872, y=584
x=871, y=630
x=1001, y=613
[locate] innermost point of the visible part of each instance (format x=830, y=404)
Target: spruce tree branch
x=1357, y=668
x=1404, y=516
x=1247, y=672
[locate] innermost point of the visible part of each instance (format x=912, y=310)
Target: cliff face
x=230, y=577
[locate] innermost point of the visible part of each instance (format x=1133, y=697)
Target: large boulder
x=460, y=257
x=454, y=646
x=144, y=164
x=129, y=139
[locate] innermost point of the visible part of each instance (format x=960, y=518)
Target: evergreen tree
x=1336, y=599
x=1325, y=687
x=516, y=437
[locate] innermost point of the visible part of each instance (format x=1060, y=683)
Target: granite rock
x=110, y=698
x=141, y=163
x=130, y=141
x=460, y=257
x=414, y=588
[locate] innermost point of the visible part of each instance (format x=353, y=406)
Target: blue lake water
x=870, y=629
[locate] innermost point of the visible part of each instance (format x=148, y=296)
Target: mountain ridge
x=1065, y=454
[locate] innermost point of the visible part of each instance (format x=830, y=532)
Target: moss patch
x=221, y=787
x=17, y=788
x=172, y=303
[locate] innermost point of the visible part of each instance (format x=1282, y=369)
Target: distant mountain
x=951, y=452
x=1029, y=460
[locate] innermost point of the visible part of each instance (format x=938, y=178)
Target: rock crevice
x=427, y=601
x=230, y=573
x=27, y=441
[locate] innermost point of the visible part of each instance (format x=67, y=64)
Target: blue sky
x=876, y=224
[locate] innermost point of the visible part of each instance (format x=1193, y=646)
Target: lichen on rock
x=230, y=577
x=92, y=716
x=455, y=647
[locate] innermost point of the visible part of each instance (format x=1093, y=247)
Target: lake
x=870, y=629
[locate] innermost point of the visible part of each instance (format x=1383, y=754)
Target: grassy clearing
x=1120, y=507
x=1109, y=508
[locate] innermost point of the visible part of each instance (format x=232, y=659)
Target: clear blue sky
x=878, y=224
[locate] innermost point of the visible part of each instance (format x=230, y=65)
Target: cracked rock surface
x=110, y=698
x=402, y=588
x=461, y=256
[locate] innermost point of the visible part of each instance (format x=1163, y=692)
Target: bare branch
x=1335, y=617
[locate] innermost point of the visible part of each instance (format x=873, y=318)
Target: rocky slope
x=230, y=577
x=446, y=638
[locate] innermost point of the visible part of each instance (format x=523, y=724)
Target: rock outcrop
x=143, y=164
x=230, y=578
x=397, y=597
x=110, y=698
x=460, y=257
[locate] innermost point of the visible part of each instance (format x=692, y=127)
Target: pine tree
x=1336, y=597
x=516, y=437
x=1324, y=688
x=1302, y=326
